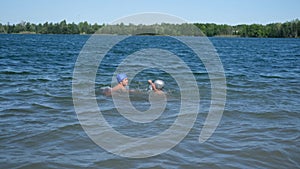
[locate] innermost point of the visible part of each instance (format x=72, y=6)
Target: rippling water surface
x=260, y=127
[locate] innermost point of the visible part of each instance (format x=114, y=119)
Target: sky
x=232, y=12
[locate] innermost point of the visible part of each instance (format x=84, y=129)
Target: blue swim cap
x=121, y=77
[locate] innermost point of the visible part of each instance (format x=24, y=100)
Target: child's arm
x=152, y=85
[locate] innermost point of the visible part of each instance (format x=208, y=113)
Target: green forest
x=289, y=29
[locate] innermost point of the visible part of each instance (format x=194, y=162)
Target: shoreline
x=217, y=36
x=289, y=29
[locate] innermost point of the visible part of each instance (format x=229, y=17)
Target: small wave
x=275, y=75
x=33, y=165
x=40, y=80
x=48, y=134
x=44, y=106
x=10, y=72
x=16, y=112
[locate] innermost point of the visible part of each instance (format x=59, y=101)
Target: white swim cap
x=159, y=84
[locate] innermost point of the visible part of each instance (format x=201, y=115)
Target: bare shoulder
x=118, y=88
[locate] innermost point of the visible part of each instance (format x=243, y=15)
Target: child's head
x=122, y=79
x=159, y=84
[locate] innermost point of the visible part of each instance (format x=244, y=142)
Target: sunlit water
x=260, y=127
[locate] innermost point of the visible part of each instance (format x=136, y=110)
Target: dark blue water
x=259, y=129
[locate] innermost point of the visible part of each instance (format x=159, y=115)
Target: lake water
x=260, y=126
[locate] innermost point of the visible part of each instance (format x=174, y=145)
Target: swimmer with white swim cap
x=157, y=86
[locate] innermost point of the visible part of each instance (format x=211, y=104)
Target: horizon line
x=194, y=22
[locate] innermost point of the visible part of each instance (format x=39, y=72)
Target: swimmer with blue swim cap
x=120, y=87
x=122, y=83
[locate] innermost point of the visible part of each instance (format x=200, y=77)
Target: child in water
x=120, y=87
x=157, y=86
x=122, y=83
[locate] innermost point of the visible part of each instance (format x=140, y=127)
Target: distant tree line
x=184, y=29
x=50, y=28
x=289, y=29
